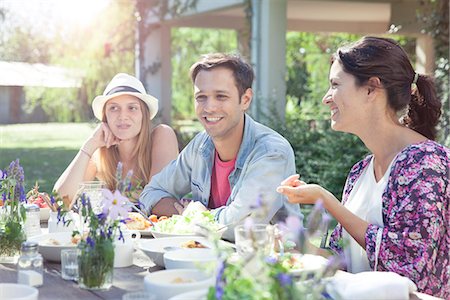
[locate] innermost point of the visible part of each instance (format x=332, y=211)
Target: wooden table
x=54, y=287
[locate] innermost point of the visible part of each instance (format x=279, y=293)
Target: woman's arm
x=83, y=168
x=164, y=148
x=298, y=191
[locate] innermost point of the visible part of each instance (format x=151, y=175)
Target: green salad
x=185, y=224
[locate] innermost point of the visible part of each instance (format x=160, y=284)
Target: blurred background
x=57, y=55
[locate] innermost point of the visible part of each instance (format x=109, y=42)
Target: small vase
x=55, y=226
x=96, y=265
x=12, y=233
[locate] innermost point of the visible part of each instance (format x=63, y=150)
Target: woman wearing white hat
x=125, y=135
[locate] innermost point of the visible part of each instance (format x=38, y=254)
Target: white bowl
x=14, y=291
x=51, y=244
x=44, y=213
x=190, y=259
x=155, y=248
x=168, y=283
x=193, y=295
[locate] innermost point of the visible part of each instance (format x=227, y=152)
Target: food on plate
x=53, y=242
x=34, y=197
x=187, y=223
x=192, y=244
x=307, y=262
x=181, y=280
x=136, y=221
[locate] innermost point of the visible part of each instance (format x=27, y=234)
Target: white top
x=365, y=201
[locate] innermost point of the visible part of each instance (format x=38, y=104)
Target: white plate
x=307, y=263
x=157, y=234
x=53, y=252
x=193, y=295
x=154, y=248
x=13, y=291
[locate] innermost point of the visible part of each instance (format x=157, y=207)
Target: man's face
x=217, y=103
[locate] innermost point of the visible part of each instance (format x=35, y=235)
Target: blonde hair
x=109, y=157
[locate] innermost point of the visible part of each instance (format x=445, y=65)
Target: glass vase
x=96, y=264
x=12, y=232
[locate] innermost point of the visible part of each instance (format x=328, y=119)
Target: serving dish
x=51, y=244
x=196, y=258
x=155, y=248
x=168, y=283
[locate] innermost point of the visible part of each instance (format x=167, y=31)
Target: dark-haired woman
x=394, y=215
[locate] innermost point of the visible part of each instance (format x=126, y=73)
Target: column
x=157, y=68
x=269, y=57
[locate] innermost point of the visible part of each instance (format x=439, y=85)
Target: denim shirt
x=264, y=159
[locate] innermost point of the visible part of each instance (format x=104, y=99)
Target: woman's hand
x=101, y=137
x=298, y=191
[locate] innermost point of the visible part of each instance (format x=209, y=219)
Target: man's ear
x=246, y=98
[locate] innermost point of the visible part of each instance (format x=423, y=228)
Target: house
x=14, y=76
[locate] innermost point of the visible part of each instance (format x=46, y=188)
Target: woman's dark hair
x=242, y=71
x=385, y=58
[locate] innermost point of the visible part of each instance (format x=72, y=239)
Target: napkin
x=371, y=285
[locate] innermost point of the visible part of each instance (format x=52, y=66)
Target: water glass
x=252, y=238
x=93, y=190
x=69, y=264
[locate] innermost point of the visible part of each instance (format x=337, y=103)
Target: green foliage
x=435, y=16
x=308, y=62
x=188, y=45
x=322, y=156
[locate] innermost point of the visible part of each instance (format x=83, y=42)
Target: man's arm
x=165, y=207
x=169, y=185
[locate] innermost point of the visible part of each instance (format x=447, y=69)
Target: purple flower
x=315, y=218
x=291, y=228
x=115, y=205
x=258, y=203
x=1, y=174
x=284, y=279
x=220, y=280
x=90, y=241
x=271, y=260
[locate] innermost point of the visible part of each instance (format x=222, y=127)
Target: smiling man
x=235, y=161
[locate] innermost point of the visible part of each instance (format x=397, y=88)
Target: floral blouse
x=415, y=239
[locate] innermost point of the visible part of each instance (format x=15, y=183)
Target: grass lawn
x=44, y=150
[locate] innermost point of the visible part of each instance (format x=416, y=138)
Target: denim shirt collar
x=207, y=148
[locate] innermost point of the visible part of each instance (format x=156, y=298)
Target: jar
x=32, y=220
x=58, y=226
x=30, y=265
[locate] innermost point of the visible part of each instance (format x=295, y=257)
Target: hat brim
x=99, y=102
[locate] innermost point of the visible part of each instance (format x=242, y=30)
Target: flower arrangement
x=96, y=256
x=12, y=214
x=265, y=271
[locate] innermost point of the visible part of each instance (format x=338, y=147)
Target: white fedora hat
x=124, y=84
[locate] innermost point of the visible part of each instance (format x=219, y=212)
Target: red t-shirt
x=220, y=186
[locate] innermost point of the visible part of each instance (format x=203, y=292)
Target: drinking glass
x=93, y=190
x=252, y=238
x=69, y=264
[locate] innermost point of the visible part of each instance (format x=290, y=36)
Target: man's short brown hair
x=242, y=71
